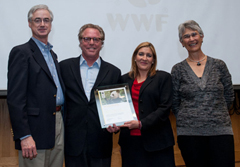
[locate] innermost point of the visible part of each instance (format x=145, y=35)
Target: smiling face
x=40, y=29
x=144, y=59
x=90, y=49
x=192, y=40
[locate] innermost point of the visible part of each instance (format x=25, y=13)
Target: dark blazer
x=155, y=100
x=82, y=122
x=31, y=95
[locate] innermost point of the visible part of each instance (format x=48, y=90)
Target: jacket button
x=12, y=132
x=54, y=113
x=55, y=96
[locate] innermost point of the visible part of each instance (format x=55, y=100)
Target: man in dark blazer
x=35, y=95
x=86, y=143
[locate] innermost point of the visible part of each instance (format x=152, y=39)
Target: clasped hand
x=113, y=129
x=130, y=125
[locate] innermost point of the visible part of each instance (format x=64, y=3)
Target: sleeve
x=119, y=76
x=164, y=105
x=176, y=86
x=226, y=80
x=17, y=92
x=115, y=74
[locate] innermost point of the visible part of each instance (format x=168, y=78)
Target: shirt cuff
x=24, y=137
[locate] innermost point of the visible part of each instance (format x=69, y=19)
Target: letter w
x=119, y=19
x=143, y=19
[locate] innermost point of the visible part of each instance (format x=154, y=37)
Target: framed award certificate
x=114, y=105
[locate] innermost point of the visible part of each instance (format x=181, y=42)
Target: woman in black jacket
x=149, y=140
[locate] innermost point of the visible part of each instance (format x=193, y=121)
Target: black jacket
x=31, y=95
x=155, y=100
x=82, y=121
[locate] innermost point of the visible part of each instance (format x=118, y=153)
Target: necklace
x=198, y=62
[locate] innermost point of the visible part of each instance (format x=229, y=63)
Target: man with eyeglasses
x=86, y=143
x=35, y=96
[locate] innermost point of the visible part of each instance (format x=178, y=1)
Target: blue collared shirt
x=45, y=49
x=89, y=74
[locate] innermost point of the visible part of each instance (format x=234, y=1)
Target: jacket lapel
x=145, y=84
x=37, y=55
x=54, y=56
x=76, y=73
x=130, y=83
x=103, y=71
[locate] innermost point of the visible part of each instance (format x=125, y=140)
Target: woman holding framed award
x=149, y=140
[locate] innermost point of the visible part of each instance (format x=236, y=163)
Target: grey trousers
x=51, y=157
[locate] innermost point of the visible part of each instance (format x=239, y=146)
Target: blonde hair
x=134, y=68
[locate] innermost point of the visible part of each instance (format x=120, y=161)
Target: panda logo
x=143, y=3
x=115, y=97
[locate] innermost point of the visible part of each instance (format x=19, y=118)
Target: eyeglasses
x=186, y=36
x=88, y=39
x=39, y=20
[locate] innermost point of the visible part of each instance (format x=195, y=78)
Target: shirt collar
x=42, y=45
x=96, y=63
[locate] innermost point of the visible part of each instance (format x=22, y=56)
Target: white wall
x=126, y=24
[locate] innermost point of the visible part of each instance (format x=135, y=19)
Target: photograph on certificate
x=114, y=105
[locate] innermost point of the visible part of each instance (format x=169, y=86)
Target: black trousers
x=134, y=155
x=207, y=151
x=86, y=160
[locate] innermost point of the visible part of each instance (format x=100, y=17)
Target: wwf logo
x=143, y=3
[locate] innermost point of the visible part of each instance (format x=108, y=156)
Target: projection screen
x=127, y=23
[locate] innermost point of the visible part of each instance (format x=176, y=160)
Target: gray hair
x=35, y=8
x=190, y=24
x=84, y=27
